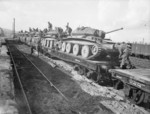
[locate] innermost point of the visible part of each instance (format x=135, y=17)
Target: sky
x=106, y=15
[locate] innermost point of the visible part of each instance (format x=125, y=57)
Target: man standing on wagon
x=68, y=29
x=124, y=53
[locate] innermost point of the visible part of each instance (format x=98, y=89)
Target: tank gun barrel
x=114, y=30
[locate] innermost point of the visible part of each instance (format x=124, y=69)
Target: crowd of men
x=43, y=32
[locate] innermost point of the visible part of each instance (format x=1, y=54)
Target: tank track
x=87, y=50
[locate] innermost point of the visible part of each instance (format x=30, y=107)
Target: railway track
x=18, y=58
x=27, y=105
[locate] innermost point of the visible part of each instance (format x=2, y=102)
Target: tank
x=89, y=43
x=23, y=36
x=32, y=39
x=48, y=39
x=52, y=38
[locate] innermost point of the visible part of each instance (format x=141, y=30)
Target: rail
x=21, y=85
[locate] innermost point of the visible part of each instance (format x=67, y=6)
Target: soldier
x=30, y=30
x=50, y=26
x=124, y=53
x=40, y=33
x=68, y=29
x=39, y=47
x=45, y=30
x=32, y=50
x=59, y=32
x=0, y=46
x=36, y=30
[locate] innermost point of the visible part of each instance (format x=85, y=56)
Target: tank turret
x=88, y=31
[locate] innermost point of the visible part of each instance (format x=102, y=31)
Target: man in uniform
x=39, y=47
x=50, y=26
x=68, y=29
x=30, y=30
x=32, y=50
x=59, y=31
x=0, y=46
x=124, y=53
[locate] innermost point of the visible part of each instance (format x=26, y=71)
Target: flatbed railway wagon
x=89, y=68
x=135, y=84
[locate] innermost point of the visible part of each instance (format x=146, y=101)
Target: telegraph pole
x=14, y=28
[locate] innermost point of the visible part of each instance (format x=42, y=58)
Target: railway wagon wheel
x=85, y=52
x=68, y=47
x=137, y=96
x=63, y=48
x=76, y=49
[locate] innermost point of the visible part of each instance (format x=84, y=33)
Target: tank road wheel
x=85, y=51
x=63, y=48
x=68, y=47
x=95, y=50
x=76, y=49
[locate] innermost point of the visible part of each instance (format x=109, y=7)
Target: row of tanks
x=84, y=42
